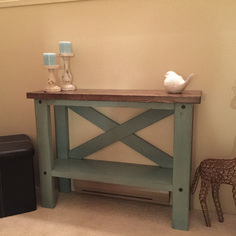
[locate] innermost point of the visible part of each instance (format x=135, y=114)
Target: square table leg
x=45, y=152
x=182, y=165
x=62, y=142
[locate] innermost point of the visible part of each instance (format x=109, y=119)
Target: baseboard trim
x=121, y=191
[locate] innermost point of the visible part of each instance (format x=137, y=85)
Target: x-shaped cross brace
x=124, y=132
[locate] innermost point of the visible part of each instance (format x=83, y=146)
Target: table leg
x=44, y=139
x=62, y=142
x=182, y=165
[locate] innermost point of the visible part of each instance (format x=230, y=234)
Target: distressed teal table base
x=172, y=173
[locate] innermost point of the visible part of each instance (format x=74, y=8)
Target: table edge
x=146, y=96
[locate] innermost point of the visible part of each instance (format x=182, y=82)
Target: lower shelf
x=144, y=176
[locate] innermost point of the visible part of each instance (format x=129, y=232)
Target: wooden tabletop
x=188, y=96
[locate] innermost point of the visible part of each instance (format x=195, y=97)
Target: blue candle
x=65, y=47
x=49, y=59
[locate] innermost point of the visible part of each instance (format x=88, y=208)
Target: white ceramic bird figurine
x=175, y=83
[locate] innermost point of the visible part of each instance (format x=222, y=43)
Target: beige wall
x=127, y=44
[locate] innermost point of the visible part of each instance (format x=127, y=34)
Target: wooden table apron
x=173, y=174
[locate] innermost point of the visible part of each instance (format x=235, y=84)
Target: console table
x=171, y=174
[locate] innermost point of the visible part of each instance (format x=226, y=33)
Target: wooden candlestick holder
x=67, y=76
x=52, y=87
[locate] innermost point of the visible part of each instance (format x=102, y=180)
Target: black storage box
x=17, y=186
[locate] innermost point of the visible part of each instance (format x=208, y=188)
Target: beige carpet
x=86, y=215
